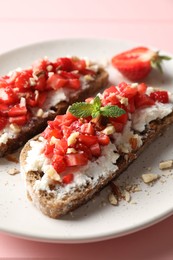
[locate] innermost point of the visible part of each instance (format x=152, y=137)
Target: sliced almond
x=112, y=199
x=16, y=129
x=40, y=112
x=72, y=138
x=150, y=177
x=110, y=129
x=127, y=195
x=50, y=171
x=13, y=171
x=166, y=165
x=71, y=150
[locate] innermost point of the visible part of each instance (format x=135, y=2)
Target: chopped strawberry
x=95, y=150
x=64, y=64
x=68, y=178
x=17, y=110
x=78, y=159
x=142, y=101
x=160, y=96
x=136, y=64
x=103, y=139
x=19, y=120
x=4, y=110
x=87, y=128
x=48, y=149
x=87, y=139
x=58, y=163
x=61, y=146
x=56, y=81
x=3, y=122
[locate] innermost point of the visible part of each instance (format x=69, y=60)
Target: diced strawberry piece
x=76, y=125
x=19, y=120
x=61, y=120
x=87, y=128
x=109, y=90
x=85, y=149
x=3, y=82
x=142, y=101
x=122, y=119
x=68, y=178
x=48, y=149
x=78, y=64
x=142, y=88
x=160, y=96
x=118, y=126
x=49, y=132
x=87, y=139
x=41, y=99
x=22, y=80
x=17, y=110
x=73, y=83
x=56, y=81
x=64, y=64
x=103, y=139
x=68, y=75
x=126, y=90
x=41, y=83
x=87, y=72
x=7, y=96
x=95, y=150
x=61, y=147
x=76, y=159
x=40, y=65
x=4, y=109
x=70, y=116
x=66, y=131
x=3, y=122
x=131, y=106
x=58, y=163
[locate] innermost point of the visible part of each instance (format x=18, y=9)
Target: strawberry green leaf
x=164, y=57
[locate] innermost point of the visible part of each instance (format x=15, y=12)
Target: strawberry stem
x=157, y=60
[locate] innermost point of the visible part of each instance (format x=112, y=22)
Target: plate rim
x=79, y=239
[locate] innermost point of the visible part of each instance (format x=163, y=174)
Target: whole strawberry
x=136, y=64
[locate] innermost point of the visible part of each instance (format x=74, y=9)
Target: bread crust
x=37, y=125
x=47, y=202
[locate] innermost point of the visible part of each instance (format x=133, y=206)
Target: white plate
x=97, y=220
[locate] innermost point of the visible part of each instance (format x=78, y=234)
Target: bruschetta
x=31, y=97
x=81, y=151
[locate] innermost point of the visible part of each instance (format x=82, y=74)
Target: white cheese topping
x=122, y=140
x=89, y=174
x=143, y=116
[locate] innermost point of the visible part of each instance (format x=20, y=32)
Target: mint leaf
x=112, y=111
x=97, y=102
x=96, y=107
x=95, y=113
x=81, y=109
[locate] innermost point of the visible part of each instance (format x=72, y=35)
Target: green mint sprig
x=83, y=109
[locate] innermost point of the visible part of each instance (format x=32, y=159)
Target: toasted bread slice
x=37, y=123
x=55, y=199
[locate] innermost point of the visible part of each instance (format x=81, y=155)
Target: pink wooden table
x=148, y=22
